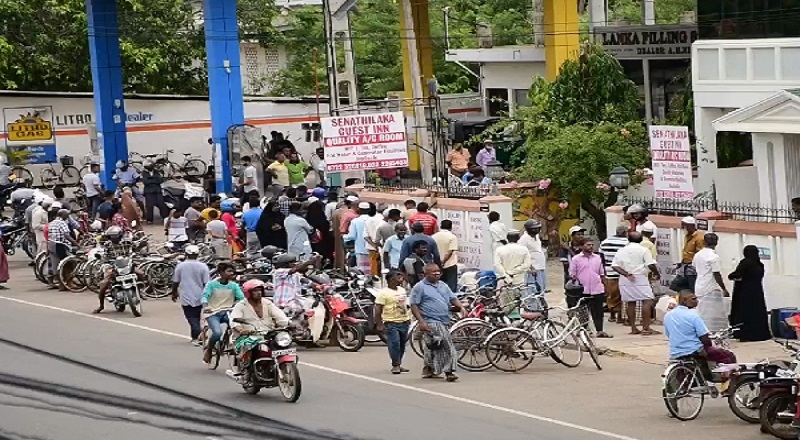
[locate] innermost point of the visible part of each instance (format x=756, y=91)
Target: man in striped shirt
x=608, y=249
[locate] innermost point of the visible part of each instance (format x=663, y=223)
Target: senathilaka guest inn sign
x=648, y=42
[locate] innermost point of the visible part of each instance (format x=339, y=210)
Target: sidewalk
x=651, y=349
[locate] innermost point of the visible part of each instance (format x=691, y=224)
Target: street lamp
x=619, y=179
x=494, y=170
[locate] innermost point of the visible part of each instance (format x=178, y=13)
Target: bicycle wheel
x=24, y=174
x=510, y=349
x=469, y=340
x=68, y=273
x=567, y=351
x=49, y=178
x=194, y=168
x=40, y=267
x=415, y=339
x=588, y=344
x=70, y=176
x=680, y=393
x=84, y=170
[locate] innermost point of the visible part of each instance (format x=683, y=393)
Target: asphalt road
x=140, y=377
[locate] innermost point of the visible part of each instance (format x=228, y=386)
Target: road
x=115, y=368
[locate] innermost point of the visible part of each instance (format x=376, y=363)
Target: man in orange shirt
x=424, y=217
x=458, y=159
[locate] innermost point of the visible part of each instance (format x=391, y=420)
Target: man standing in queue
x=431, y=300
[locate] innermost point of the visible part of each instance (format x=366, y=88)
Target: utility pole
x=649, y=19
x=420, y=125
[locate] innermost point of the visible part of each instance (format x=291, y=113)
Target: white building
x=746, y=86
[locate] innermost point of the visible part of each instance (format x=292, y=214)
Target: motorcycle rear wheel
x=289, y=382
x=743, y=399
x=769, y=415
x=353, y=338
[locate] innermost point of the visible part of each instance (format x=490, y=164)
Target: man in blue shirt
x=126, y=175
x=358, y=235
x=688, y=334
x=418, y=234
x=430, y=301
x=249, y=223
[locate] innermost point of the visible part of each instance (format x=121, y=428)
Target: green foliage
x=667, y=11
x=45, y=44
x=577, y=157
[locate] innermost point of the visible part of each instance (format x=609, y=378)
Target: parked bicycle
x=68, y=176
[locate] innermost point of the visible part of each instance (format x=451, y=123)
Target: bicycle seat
x=170, y=151
x=530, y=316
x=151, y=155
x=187, y=154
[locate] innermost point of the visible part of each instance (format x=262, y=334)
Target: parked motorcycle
x=778, y=399
x=273, y=364
x=125, y=287
x=14, y=234
x=321, y=316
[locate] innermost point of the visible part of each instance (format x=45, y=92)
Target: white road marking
x=354, y=375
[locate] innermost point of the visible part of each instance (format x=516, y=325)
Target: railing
x=735, y=211
x=451, y=191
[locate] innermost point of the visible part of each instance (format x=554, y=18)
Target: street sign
x=672, y=162
x=365, y=142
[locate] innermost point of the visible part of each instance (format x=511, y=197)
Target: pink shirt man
x=588, y=270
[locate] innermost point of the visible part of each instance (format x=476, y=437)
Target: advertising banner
x=672, y=162
x=365, y=142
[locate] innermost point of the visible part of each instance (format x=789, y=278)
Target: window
x=497, y=101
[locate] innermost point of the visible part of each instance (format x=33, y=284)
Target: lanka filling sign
x=672, y=162
x=365, y=142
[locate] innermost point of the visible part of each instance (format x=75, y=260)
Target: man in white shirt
x=249, y=176
x=497, y=231
x=447, y=242
x=634, y=263
x=530, y=239
x=710, y=287
x=512, y=262
x=93, y=187
x=38, y=221
x=373, y=244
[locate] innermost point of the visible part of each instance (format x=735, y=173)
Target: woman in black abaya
x=322, y=243
x=748, y=305
x=270, y=228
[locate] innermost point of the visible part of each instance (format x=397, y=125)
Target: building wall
x=731, y=74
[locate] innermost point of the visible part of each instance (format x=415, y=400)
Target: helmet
x=284, y=259
x=573, y=289
x=251, y=285
x=533, y=224
x=191, y=250
x=114, y=233
x=121, y=163
x=637, y=208
x=269, y=251
x=319, y=193
x=96, y=225
x=148, y=163
x=46, y=202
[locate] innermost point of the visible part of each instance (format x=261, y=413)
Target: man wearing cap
x=39, y=220
x=93, y=187
x=692, y=244
x=486, y=155
x=188, y=282
x=530, y=239
x=608, y=249
x=648, y=239
x=571, y=249
x=358, y=235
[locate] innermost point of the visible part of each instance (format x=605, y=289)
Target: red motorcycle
x=273, y=363
x=324, y=315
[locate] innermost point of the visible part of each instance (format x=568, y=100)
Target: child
x=176, y=228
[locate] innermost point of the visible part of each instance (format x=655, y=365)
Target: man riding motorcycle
x=219, y=295
x=260, y=315
x=114, y=235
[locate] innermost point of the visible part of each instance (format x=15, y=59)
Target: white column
x=598, y=14
x=706, y=145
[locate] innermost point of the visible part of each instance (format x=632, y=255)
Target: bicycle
x=223, y=346
x=540, y=335
x=684, y=381
x=69, y=175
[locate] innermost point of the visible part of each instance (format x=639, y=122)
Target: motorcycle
x=14, y=234
x=321, y=315
x=273, y=364
x=778, y=398
x=125, y=287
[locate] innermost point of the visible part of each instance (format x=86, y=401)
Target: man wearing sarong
x=430, y=301
x=634, y=263
x=709, y=287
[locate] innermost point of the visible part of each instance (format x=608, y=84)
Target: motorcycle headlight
x=283, y=339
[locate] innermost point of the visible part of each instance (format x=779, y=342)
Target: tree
x=579, y=127
x=44, y=44
x=667, y=11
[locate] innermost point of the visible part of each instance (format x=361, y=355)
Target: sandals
x=650, y=332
